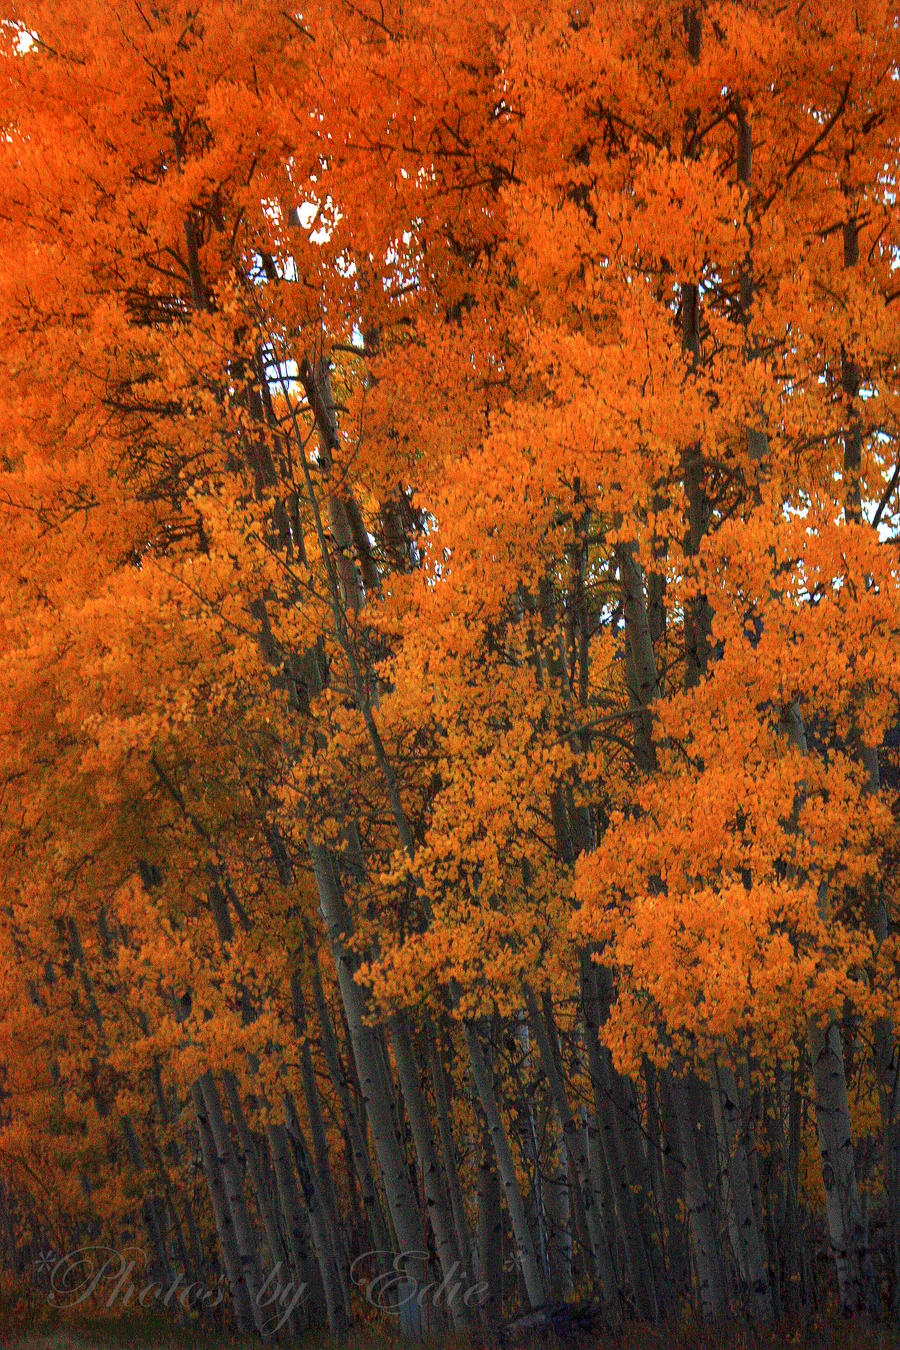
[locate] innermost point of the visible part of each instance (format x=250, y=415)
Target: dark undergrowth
x=37, y=1331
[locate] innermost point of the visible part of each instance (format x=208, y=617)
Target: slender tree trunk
x=532, y=1273
x=710, y=1279
x=378, y=1229
x=598, y=1256
x=376, y=1092
x=530, y=1149
x=324, y=1179
x=241, y=1296
x=448, y=1152
x=677, y=1240
x=244, y=1238
x=558, y=1210
x=847, y=1230
x=609, y=1117
x=294, y=1220
x=734, y=1173
x=489, y=1232
x=336, y=1309
x=438, y=1206
x=153, y=1213
x=846, y=1226
x=264, y=1199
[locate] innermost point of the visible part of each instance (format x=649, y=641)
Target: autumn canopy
x=450, y=643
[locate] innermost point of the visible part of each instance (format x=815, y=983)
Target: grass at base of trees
x=818, y=1333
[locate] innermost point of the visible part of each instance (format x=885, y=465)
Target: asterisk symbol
x=44, y=1262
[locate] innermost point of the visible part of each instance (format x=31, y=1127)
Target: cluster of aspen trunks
x=568, y=1180
x=645, y=1195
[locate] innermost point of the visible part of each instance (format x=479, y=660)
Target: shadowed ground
x=833, y=1334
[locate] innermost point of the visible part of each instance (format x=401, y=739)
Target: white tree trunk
x=336, y=1309
x=707, y=1263
x=489, y=1232
x=438, y=1206
x=747, y=1242
x=376, y=1092
x=264, y=1198
x=378, y=1230
x=532, y=1273
x=847, y=1231
x=576, y=1145
x=244, y=1238
x=558, y=1210
x=241, y=1297
x=297, y=1237
x=323, y=1176
x=448, y=1152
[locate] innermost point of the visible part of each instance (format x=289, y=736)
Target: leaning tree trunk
x=336, y=1310
x=262, y=1190
x=438, y=1206
x=378, y=1230
x=392, y=1158
x=846, y=1226
x=734, y=1171
x=559, y=1219
x=294, y=1219
x=244, y=1238
x=346, y=592
x=241, y=1297
x=598, y=1256
x=323, y=1175
x=448, y=1153
x=489, y=1232
x=532, y=1274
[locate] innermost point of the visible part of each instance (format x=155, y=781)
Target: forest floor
x=153, y=1334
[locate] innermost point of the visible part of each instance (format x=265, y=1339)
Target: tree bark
x=241, y=1293
x=598, y=1257
x=392, y=1159
x=734, y=1175
x=532, y=1274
